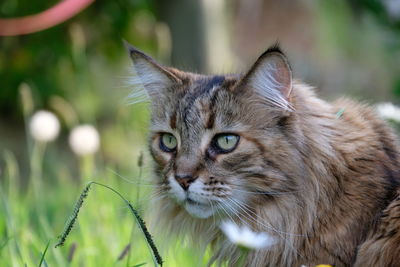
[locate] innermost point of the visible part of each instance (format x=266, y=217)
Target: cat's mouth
x=197, y=209
x=194, y=202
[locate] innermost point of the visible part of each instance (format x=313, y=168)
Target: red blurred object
x=44, y=20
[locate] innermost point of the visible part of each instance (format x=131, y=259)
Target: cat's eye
x=226, y=143
x=168, y=142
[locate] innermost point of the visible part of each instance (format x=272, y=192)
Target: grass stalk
x=86, y=163
x=44, y=254
x=128, y=258
x=71, y=221
x=27, y=105
x=36, y=162
x=8, y=198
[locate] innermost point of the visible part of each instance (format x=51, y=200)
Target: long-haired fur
x=324, y=185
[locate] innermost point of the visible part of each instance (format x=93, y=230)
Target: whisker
x=213, y=211
x=257, y=222
x=133, y=182
x=233, y=212
x=154, y=196
x=250, y=216
x=243, y=207
x=246, y=207
x=157, y=197
x=219, y=203
x=227, y=213
x=269, y=193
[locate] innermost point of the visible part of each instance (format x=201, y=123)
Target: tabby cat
x=261, y=149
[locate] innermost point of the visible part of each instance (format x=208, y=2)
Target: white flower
x=44, y=126
x=84, y=140
x=245, y=237
x=388, y=111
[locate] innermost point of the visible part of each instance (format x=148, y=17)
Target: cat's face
x=210, y=134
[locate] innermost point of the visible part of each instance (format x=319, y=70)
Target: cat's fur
x=324, y=184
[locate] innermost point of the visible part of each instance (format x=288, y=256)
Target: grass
x=142, y=225
x=107, y=232
x=104, y=235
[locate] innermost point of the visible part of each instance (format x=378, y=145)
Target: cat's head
x=219, y=141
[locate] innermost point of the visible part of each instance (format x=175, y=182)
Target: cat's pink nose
x=184, y=180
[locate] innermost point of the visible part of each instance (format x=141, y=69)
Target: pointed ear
x=152, y=76
x=270, y=78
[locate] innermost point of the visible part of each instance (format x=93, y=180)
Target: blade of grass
x=156, y=256
x=129, y=252
x=44, y=254
x=71, y=221
x=124, y=252
x=4, y=243
x=10, y=225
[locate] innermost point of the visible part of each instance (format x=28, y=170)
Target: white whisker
x=154, y=197
x=271, y=193
x=225, y=211
x=134, y=182
x=281, y=234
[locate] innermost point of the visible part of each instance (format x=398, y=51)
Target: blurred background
x=79, y=70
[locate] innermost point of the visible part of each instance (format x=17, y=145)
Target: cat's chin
x=198, y=211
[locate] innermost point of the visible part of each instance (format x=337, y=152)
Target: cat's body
x=322, y=178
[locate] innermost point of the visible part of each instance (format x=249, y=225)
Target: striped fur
x=326, y=187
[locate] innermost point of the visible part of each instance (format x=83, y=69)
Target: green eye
x=168, y=142
x=226, y=142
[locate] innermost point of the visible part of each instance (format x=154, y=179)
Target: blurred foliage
x=39, y=58
x=389, y=20
x=47, y=59
x=378, y=9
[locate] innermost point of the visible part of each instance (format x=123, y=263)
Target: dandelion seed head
x=84, y=140
x=44, y=126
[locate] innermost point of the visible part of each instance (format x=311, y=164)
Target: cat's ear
x=270, y=78
x=151, y=75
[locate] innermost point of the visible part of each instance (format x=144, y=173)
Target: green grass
x=35, y=209
x=105, y=228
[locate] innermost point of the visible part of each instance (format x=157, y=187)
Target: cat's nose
x=184, y=180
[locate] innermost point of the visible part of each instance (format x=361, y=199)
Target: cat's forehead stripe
x=172, y=120
x=211, y=113
x=210, y=120
x=213, y=82
x=203, y=86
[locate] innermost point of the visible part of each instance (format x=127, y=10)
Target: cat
x=261, y=149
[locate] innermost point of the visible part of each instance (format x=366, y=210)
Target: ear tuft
x=150, y=75
x=274, y=48
x=271, y=78
x=135, y=53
